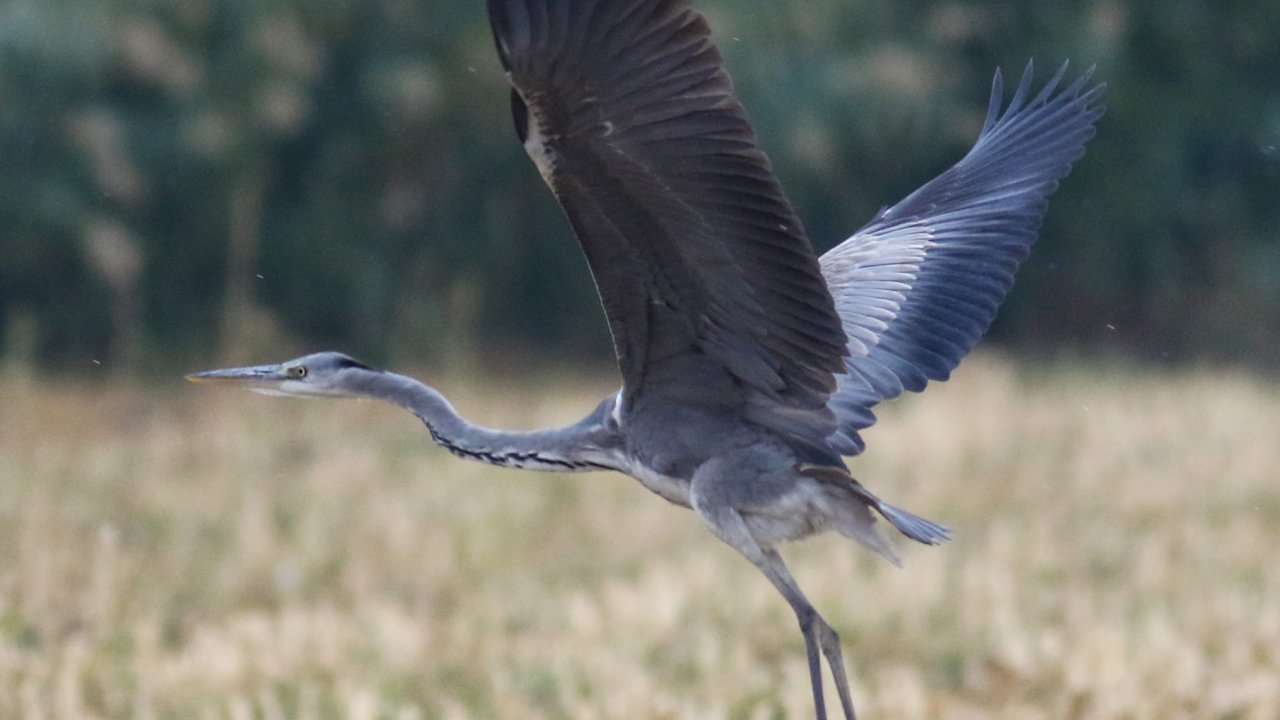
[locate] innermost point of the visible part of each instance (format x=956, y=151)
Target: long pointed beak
x=240, y=376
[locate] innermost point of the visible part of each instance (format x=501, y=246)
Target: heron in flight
x=749, y=365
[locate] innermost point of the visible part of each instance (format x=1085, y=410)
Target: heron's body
x=748, y=364
x=661, y=448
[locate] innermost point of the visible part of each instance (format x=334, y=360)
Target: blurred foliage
x=184, y=176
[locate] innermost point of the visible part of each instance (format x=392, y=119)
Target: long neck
x=586, y=445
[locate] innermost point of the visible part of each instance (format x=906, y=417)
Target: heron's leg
x=817, y=634
x=729, y=525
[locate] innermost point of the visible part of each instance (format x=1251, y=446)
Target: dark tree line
x=183, y=178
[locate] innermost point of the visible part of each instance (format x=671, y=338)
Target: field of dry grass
x=186, y=552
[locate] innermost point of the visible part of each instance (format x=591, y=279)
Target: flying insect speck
x=749, y=365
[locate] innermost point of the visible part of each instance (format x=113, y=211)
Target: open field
x=185, y=552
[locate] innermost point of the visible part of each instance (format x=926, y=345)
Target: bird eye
x=299, y=371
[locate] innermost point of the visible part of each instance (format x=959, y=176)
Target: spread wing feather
x=712, y=290
x=920, y=284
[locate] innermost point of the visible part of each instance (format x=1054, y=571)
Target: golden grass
x=183, y=552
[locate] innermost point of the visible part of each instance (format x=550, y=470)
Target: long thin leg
x=730, y=527
x=817, y=634
x=815, y=665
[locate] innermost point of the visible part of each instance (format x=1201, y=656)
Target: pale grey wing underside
x=920, y=284
x=712, y=291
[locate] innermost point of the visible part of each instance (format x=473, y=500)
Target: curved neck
x=586, y=445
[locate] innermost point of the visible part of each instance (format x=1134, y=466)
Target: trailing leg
x=715, y=507
x=818, y=635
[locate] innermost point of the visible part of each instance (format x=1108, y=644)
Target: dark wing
x=712, y=290
x=919, y=285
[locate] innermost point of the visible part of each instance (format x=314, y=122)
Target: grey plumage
x=748, y=364
x=918, y=286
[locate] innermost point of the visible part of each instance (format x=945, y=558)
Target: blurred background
x=190, y=180
x=191, y=183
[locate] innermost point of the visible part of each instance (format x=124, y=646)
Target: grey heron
x=749, y=365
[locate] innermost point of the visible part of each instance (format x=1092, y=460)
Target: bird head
x=325, y=374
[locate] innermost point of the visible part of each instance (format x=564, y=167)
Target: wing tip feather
x=1000, y=189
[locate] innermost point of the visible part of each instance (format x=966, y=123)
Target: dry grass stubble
x=181, y=553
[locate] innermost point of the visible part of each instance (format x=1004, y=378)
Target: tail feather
x=858, y=525
x=914, y=526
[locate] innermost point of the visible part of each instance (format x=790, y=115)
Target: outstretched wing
x=712, y=290
x=919, y=285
